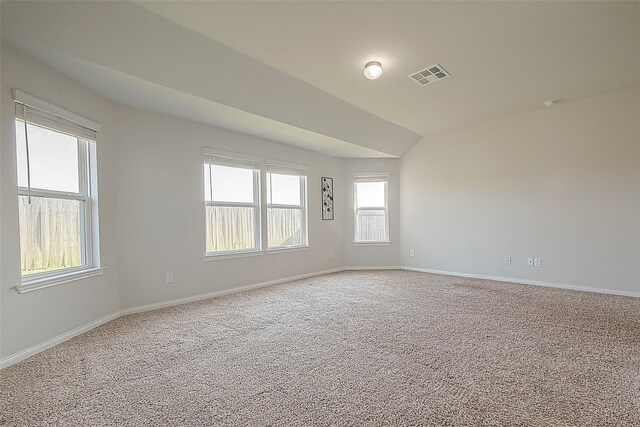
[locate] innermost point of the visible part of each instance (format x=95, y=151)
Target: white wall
x=161, y=217
x=31, y=318
x=562, y=184
x=150, y=191
x=372, y=255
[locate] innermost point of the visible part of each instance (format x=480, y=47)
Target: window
x=241, y=193
x=57, y=211
x=232, y=203
x=371, y=209
x=286, y=207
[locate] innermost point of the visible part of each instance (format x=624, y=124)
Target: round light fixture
x=550, y=103
x=373, y=70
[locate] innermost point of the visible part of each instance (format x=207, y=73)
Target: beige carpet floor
x=354, y=348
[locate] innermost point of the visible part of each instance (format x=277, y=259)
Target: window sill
x=46, y=282
x=284, y=250
x=214, y=257
x=385, y=243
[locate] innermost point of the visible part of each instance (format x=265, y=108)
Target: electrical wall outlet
x=412, y=252
x=170, y=278
x=330, y=254
x=537, y=262
x=507, y=260
x=530, y=261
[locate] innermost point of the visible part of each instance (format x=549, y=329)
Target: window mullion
x=303, y=211
x=264, y=207
x=257, y=216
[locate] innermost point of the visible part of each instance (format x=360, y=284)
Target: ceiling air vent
x=429, y=75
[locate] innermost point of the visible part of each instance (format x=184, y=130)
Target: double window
x=371, y=208
x=55, y=153
x=237, y=205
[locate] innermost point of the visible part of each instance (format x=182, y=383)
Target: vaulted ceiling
x=504, y=57
x=292, y=71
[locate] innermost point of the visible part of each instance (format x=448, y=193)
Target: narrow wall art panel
x=327, y=198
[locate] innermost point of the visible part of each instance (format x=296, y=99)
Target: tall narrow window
x=286, y=207
x=56, y=190
x=232, y=199
x=371, y=209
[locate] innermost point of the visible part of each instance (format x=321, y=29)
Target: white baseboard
x=22, y=355
x=220, y=293
x=527, y=282
x=31, y=351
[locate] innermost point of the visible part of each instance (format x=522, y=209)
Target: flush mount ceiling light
x=550, y=103
x=373, y=70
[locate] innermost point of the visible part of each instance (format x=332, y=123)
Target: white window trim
x=42, y=105
x=232, y=156
x=84, y=196
x=87, y=193
x=371, y=177
x=371, y=242
x=69, y=275
x=278, y=167
x=286, y=249
x=284, y=166
x=226, y=158
x=211, y=256
x=263, y=165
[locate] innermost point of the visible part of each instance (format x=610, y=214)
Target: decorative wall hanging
x=327, y=198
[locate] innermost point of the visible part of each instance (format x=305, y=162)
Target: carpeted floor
x=353, y=348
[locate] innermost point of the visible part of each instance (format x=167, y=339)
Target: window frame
x=374, y=177
x=280, y=168
x=235, y=160
x=84, y=197
x=59, y=120
x=228, y=158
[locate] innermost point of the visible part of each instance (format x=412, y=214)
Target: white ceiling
x=139, y=93
x=292, y=71
x=139, y=58
x=504, y=57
